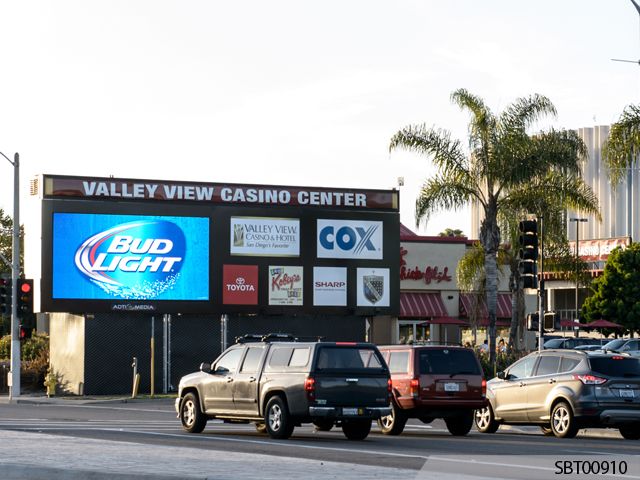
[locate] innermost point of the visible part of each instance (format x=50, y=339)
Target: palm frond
x=620, y=151
x=443, y=192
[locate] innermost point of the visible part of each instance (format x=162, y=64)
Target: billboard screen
x=130, y=257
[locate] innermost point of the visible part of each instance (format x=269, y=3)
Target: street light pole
x=577, y=220
x=14, y=388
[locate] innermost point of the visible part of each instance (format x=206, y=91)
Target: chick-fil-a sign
x=428, y=274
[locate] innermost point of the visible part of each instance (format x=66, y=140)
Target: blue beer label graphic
x=130, y=257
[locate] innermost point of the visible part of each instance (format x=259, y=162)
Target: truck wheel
x=393, y=424
x=323, y=425
x=485, y=421
x=356, y=429
x=277, y=419
x=261, y=427
x=460, y=425
x=191, y=417
x=563, y=422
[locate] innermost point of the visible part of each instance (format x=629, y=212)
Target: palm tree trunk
x=490, y=240
x=491, y=269
x=514, y=279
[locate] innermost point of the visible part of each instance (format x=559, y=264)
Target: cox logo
x=137, y=260
x=349, y=239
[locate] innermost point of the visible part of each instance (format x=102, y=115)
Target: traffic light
x=528, y=253
x=5, y=296
x=25, y=297
x=24, y=332
x=532, y=322
x=551, y=321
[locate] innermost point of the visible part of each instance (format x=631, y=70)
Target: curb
x=26, y=400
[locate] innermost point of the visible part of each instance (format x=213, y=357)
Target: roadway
x=143, y=439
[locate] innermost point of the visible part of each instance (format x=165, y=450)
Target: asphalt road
x=76, y=439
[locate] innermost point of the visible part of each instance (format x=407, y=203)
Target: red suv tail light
x=590, y=379
x=484, y=387
x=389, y=386
x=414, y=387
x=310, y=388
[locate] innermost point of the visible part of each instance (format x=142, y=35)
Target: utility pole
x=14, y=379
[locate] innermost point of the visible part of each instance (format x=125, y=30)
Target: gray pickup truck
x=280, y=384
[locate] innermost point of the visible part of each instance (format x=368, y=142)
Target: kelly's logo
x=137, y=260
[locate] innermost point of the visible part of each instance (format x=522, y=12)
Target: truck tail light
x=414, y=387
x=484, y=387
x=310, y=388
x=590, y=379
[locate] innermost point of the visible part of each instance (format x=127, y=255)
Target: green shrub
x=503, y=360
x=31, y=349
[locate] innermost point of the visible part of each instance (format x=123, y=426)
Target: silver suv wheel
x=563, y=423
x=483, y=417
x=275, y=417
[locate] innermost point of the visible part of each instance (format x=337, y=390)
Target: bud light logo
x=137, y=260
x=349, y=239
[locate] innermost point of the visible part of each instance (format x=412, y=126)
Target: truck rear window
x=616, y=366
x=348, y=358
x=448, y=361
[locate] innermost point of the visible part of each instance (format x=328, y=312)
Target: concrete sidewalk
x=39, y=399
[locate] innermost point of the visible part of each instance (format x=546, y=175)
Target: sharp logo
x=137, y=260
x=349, y=239
x=331, y=284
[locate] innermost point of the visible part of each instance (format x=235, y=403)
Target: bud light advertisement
x=130, y=257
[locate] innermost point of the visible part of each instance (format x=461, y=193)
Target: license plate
x=352, y=411
x=626, y=393
x=451, y=387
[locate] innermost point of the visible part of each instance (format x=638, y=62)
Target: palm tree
x=503, y=161
x=621, y=149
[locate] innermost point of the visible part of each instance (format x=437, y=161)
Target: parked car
x=614, y=344
x=588, y=348
x=277, y=382
x=565, y=390
x=572, y=342
x=631, y=346
x=433, y=381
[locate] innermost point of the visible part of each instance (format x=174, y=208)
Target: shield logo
x=373, y=287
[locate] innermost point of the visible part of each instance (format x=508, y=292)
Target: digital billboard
x=118, y=257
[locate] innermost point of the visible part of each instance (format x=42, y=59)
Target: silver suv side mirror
x=205, y=367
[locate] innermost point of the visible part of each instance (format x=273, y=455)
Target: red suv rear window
x=448, y=362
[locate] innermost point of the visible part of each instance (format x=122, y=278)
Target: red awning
x=448, y=321
x=472, y=302
x=421, y=305
x=500, y=322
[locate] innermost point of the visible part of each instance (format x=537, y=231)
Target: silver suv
x=565, y=390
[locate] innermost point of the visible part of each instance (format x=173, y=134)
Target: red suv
x=433, y=381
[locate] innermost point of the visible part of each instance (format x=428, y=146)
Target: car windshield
x=616, y=366
x=554, y=343
x=448, y=362
x=615, y=344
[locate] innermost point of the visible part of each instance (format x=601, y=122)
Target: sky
x=290, y=92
